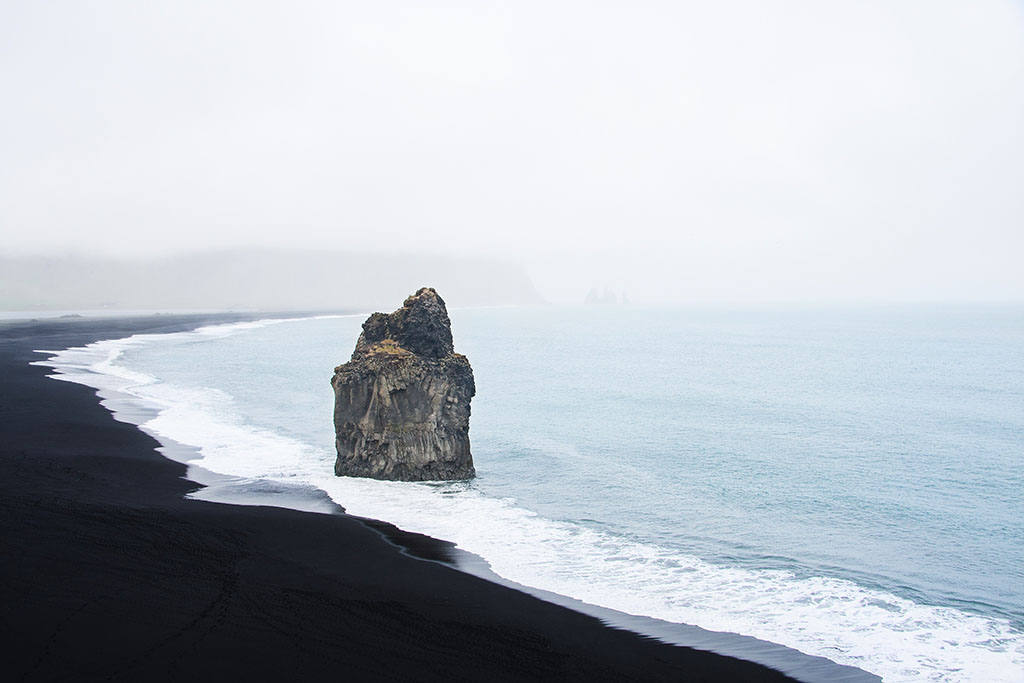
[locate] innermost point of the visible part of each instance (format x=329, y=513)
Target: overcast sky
x=732, y=150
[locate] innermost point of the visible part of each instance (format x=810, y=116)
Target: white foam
x=96, y=361
x=834, y=618
x=838, y=619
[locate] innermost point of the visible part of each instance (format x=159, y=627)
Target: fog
x=255, y=279
x=679, y=151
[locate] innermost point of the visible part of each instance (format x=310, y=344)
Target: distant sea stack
x=401, y=405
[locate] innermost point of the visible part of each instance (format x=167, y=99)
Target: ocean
x=847, y=482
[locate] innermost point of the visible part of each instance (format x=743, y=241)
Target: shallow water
x=845, y=482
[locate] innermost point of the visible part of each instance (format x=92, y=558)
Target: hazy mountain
x=255, y=279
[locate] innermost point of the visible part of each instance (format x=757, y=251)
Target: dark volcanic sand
x=107, y=572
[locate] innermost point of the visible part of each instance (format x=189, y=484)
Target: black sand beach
x=108, y=572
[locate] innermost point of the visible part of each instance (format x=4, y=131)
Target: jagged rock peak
x=402, y=404
x=421, y=326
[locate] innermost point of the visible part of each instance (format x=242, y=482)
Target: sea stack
x=401, y=404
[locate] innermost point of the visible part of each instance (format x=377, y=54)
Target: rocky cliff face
x=401, y=405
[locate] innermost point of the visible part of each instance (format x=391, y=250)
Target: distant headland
x=254, y=279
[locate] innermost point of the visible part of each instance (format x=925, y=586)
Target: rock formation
x=401, y=405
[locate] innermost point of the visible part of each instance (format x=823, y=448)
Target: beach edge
x=74, y=476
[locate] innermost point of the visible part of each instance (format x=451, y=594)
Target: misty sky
x=693, y=151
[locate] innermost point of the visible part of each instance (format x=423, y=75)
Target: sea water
x=846, y=482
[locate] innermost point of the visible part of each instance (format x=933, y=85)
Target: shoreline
x=19, y=341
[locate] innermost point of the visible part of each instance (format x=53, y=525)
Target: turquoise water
x=846, y=482
x=886, y=447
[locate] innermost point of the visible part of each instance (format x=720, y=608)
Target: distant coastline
x=254, y=279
